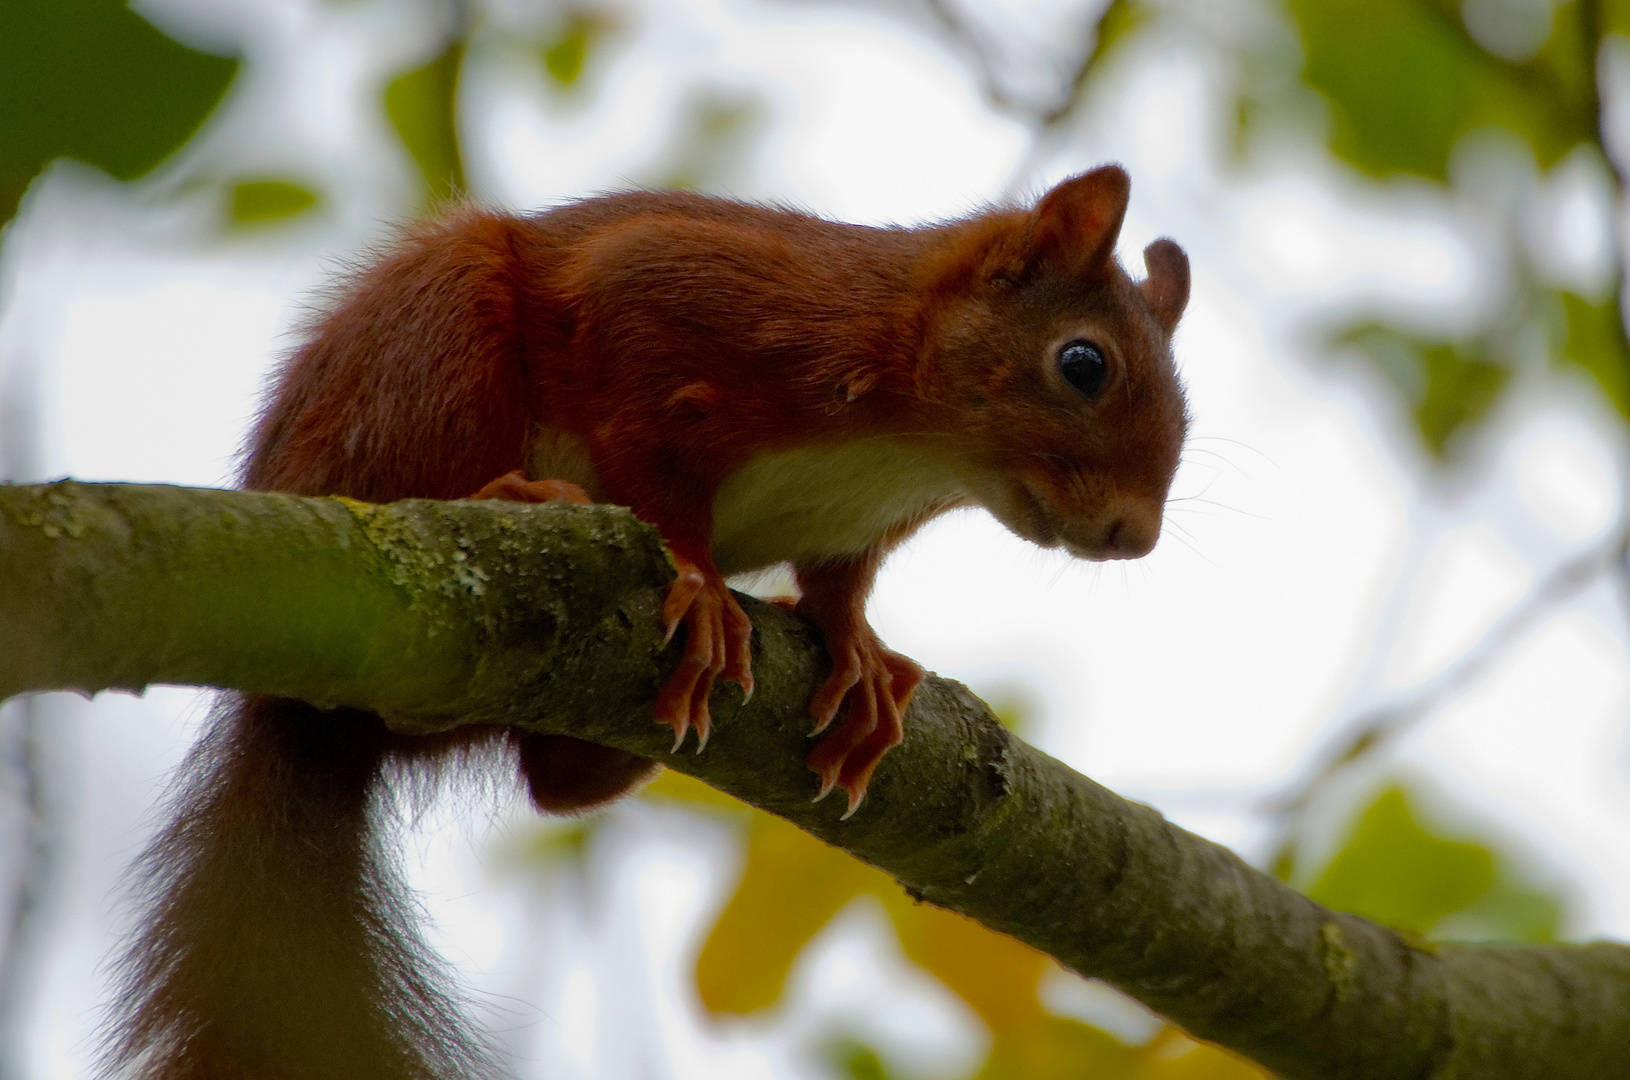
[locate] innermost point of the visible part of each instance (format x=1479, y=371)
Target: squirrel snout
x=1123, y=526
x=1131, y=537
x=1128, y=531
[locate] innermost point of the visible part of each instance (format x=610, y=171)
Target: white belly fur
x=560, y=455
x=797, y=505
x=819, y=501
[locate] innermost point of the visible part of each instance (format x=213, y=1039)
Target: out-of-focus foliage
x=852, y=1059
x=1119, y=24
x=1402, y=83
x=1405, y=79
x=565, y=52
x=92, y=80
x=1447, y=384
x=791, y=887
x=422, y=104
x=266, y=200
x=1593, y=338
x=1395, y=870
x=1390, y=868
x=423, y=101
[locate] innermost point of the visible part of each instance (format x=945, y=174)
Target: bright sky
x=1312, y=569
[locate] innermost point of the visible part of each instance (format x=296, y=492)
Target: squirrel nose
x=1132, y=533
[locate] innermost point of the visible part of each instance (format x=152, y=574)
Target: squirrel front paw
x=877, y=683
x=718, y=643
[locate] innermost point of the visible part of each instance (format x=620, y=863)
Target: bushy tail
x=279, y=943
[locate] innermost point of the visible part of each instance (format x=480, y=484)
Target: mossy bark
x=436, y=614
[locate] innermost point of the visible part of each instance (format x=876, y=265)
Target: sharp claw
x=828, y=783
x=854, y=804
x=710, y=615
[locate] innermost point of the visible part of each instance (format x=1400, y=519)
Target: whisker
x=1213, y=502
x=1187, y=450
x=1233, y=442
x=1180, y=529
x=1182, y=537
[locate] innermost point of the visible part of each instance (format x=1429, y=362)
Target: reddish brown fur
x=678, y=338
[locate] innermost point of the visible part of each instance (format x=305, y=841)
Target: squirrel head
x=1054, y=373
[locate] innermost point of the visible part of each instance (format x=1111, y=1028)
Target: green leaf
x=1461, y=389
x=1595, y=340
x=1404, y=80
x=258, y=202
x=422, y=106
x=1616, y=16
x=1509, y=911
x=91, y=79
x=1449, y=386
x=1395, y=871
x=566, y=54
x=854, y=1060
x=1119, y=24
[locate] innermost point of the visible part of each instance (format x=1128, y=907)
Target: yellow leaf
x=1060, y=1049
x=790, y=888
x=677, y=787
x=996, y=975
x=1171, y=1055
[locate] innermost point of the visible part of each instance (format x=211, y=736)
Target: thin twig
x=1385, y=725
x=1041, y=118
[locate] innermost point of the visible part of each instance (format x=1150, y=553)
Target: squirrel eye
x=1083, y=364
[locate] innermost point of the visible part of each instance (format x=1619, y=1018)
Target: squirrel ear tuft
x=1166, y=289
x=1076, y=224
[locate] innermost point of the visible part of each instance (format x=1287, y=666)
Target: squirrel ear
x=1077, y=223
x=1166, y=289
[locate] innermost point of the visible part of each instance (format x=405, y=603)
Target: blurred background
x=1381, y=649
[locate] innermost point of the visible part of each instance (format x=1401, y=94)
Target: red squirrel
x=764, y=387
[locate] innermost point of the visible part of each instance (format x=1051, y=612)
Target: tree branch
x=436, y=614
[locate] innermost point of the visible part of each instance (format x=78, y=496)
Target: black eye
x=1083, y=364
